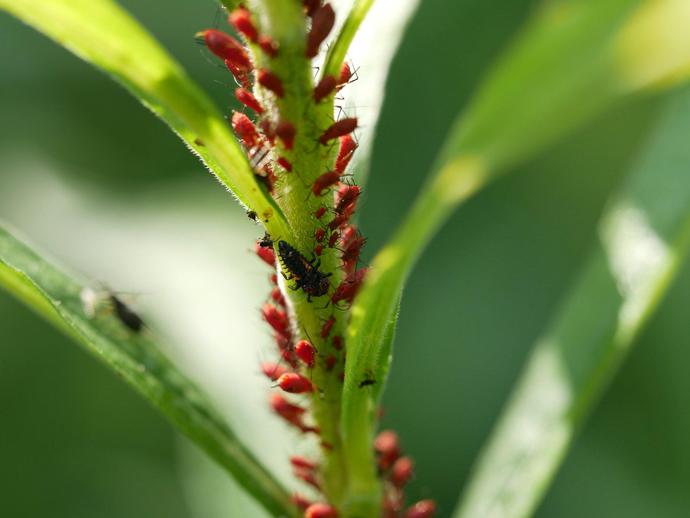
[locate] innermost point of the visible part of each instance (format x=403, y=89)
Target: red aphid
x=331, y=360
x=345, y=75
x=286, y=132
x=325, y=181
x=339, y=220
x=277, y=296
x=338, y=342
x=320, y=510
x=241, y=20
x=422, y=509
x=324, y=88
x=268, y=45
x=267, y=128
x=289, y=356
x=333, y=239
x=247, y=98
x=240, y=73
x=323, y=20
x=392, y=504
x=318, y=214
x=346, y=197
x=338, y=129
x=345, y=152
x=266, y=254
x=285, y=409
x=353, y=248
x=273, y=371
x=276, y=318
x=327, y=326
x=227, y=48
x=300, y=501
x=387, y=447
x=295, y=383
x=302, y=463
x=318, y=249
x=305, y=352
x=319, y=234
x=348, y=234
x=309, y=478
x=245, y=130
x=274, y=278
x=401, y=472
x=271, y=82
x=284, y=163
x=347, y=290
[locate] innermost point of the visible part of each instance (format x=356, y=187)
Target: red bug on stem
x=327, y=326
x=422, y=509
x=227, y=48
x=271, y=82
x=295, y=383
x=345, y=75
x=247, y=98
x=347, y=149
x=387, y=447
x=302, y=463
x=277, y=319
x=273, y=371
x=245, y=130
x=266, y=254
x=325, y=181
x=324, y=88
x=300, y=501
x=268, y=45
x=286, y=132
x=285, y=164
x=322, y=23
x=318, y=214
x=305, y=351
x=320, y=510
x=241, y=20
x=401, y=472
x=338, y=129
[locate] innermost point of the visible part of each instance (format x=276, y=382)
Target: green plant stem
x=285, y=23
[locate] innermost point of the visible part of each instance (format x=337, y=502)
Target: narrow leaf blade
x=644, y=236
x=137, y=359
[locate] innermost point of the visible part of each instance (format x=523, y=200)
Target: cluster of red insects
x=267, y=140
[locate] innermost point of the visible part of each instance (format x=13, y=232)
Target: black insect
x=251, y=215
x=366, y=382
x=128, y=317
x=266, y=241
x=306, y=273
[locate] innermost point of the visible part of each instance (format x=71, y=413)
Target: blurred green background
x=75, y=442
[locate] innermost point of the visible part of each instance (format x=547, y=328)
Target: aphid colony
x=274, y=150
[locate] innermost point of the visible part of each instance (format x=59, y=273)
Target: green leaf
x=338, y=51
x=137, y=359
x=102, y=33
x=574, y=60
x=644, y=236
